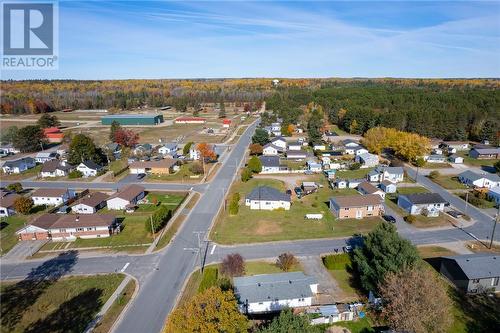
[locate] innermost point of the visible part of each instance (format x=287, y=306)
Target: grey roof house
x=428, y=204
x=473, y=272
x=267, y=198
x=272, y=292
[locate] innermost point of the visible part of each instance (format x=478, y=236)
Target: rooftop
x=272, y=287
x=54, y=221
x=478, y=265
x=50, y=192
x=357, y=200
x=424, y=198
x=475, y=176
x=368, y=188
x=125, y=116
x=267, y=193
x=92, y=199
x=270, y=161
x=128, y=192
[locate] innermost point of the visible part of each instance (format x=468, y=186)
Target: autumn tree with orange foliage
x=206, y=152
x=126, y=137
x=211, y=311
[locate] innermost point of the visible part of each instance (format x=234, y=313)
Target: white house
x=314, y=166
x=455, y=159
x=52, y=196
x=89, y=168
x=126, y=197
x=428, y=204
x=295, y=146
x=90, y=203
x=296, y=155
x=367, y=188
x=381, y=173
x=435, y=159
x=280, y=142
x=18, y=166
x=275, y=129
x=56, y=168
x=367, y=160
x=169, y=149
x=7, y=200
x=360, y=150
x=44, y=157
x=270, y=164
x=270, y=150
x=267, y=198
x=494, y=194
x=388, y=187
x=485, y=180
x=350, y=143
x=319, y=147
x=264, y=293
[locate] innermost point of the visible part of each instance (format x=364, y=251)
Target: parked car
x=140, y=175
x=298, y=191
x=289, y=192
x=389, y=218
x=456, y=214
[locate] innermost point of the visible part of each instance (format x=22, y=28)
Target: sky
x=209, y=39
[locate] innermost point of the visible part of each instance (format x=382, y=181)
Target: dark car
x=289, y=192
x=140, y=175
x=389, y=218
x=455, y=214
x=298, y=191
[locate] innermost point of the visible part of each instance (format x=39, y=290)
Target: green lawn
x=359, y=326
x=117, y=165
x=65, y=305
x=183, y=175
x=265, y=267
x=448, y=182
x=170, y=200
x=263, y=226
x=432, y=251
x=348, y=174
x=9, y=226
x=294, y=165
x=476, y=201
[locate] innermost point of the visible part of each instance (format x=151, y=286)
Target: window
x=89, y=229
x=79, y=229
x=494, y=281
x=475, y=281
x=370, y=208
x=62, y=230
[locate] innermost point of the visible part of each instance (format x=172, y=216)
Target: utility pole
x=416, y=176
x=152, y=230
x=495, y=221
x=466, y=199
x=198, y=249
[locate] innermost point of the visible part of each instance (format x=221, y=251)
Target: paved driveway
x=23, y=249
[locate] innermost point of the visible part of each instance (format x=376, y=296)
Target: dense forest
x=455, y=109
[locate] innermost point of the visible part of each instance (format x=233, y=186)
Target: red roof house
x=54, y=134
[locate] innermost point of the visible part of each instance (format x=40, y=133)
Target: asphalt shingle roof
x=475, y=176
x=478, y=265
x=424, y=198
x=270, y=161
x=267, y=193
x=271, y=287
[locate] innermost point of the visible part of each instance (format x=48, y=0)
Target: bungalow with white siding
x=381, y=173
x=360, y=150
x=428, y=204
x=270, y=150
x=19, y=165
x=52, y=196
x=56, y=168
x=89, y=168
x=169, y=149
x=484, y=180
x=296, y=155
x=367, y=160
x=455, y=159
x=267, y=293
x=44, y=157
x=270, y=164
x=388, y=187
x=7, y=200
x=367, y=188
x=267, y=198
x=126, y=197
x=280, y=142
x=90, y=203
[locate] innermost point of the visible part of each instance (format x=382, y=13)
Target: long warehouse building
x=133, y=119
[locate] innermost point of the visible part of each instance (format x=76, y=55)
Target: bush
x=246, y=175
x=434, y=174
x=255, y=165
x=337, y=261
x=411, y=219
x=159, y=219
x=186, y=148
x=233, y=265
x=23, y=205
x=286, y=261
x=196, y=168
x=15, y=187
x=234, y=204
x=419, y=162
x=75, y=174
x=355, y=166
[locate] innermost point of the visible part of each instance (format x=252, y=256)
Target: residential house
x=330, y=173
x=350, y=143
x=143, y=149
x=356, y=206
x=437, y=151
x=226, y=123
x=267, y=198
x=270, y=150
x=354, y=182
x=52, y=196
x=89, y=168
x=53, y=134
x=190, y=120
x=381, y=173
x=9, y=149
x=314, y=166
x=296, y=155
x=484, y=180
x=162, y=167
x=329, y=136
x=69, y=227
x=19, y=165
x=194, y=154
x=360, y=151
x=275, y=129
x=280, y=142
x=457, y=145
x=367, y=188
x=494, y=194
x=367, y=160
x=485, y=153
x=340, y=183
x=428, y=204
x=265, y=293
x=436, y=159
x=329, y=314
x=90, y=203
x=319, y=147
x=270, y=164
x=473, y=273
x=126, y=197
x=114, y=149
x=455, y=159
x=388, y=187
x=169, y=149
x=56, y=168
x=295, y=146
x=44, y=157
x=309, y=187
x=7, y=200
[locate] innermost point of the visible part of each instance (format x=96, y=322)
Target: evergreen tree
x=48, y=120
x=314, y=127
x=222, y=109
x=261, y=137
x=115, y=127
x=29, y=139
x=82, y=148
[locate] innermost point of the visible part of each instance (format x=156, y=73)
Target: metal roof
x=272, y=287
x=130, y=116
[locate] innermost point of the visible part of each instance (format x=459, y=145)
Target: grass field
x=448, y=182
x=430, y=251
x=265, y=267
x=64, y=305
x=33, y=172
x=348, y=174
x=9, y=226
x=114, y=311
x=262, y=226
x=476, y=201
x=184, y=175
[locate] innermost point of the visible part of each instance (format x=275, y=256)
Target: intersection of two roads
x=162, y=275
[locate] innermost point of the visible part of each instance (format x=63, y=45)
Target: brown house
x=161, y=167
x=356, y=206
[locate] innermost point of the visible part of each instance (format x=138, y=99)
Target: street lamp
x=495, y=221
